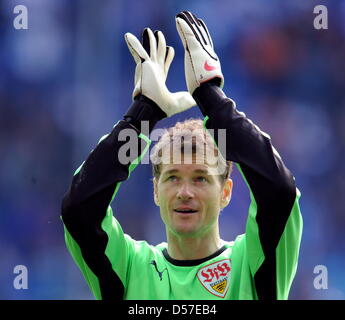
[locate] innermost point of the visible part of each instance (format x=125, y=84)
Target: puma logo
x=160, y=273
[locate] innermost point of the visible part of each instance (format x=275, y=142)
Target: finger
x=205, y=31
x=149, y=43
x=185, y=15
x=170, y=53
x=186, y=18
x=138, y=52
x=188, y=36
x=161, y=47
x=199, y=28
x=193, y=24
x=180, y=32
x=146, y=41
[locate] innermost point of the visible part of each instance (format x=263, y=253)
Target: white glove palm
x=152, y=70
x=201, y=62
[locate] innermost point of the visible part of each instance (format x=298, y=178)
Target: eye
x=172, y=178
x=200, y=179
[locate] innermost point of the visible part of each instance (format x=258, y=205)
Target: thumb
x=183, y=101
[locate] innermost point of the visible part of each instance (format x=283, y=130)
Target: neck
x=192, y=248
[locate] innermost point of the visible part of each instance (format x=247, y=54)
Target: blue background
x=68, y=79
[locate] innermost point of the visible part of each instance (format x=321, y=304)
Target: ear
x=226, y=193
x=155, y=191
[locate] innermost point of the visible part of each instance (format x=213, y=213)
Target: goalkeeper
x=194, y=263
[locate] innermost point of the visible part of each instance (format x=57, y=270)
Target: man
x=194, y=263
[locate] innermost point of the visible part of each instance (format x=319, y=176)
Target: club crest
x=215, y=277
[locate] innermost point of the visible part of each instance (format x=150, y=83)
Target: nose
x=185, y=192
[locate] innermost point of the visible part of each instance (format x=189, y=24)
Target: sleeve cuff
x=144, y=109
x=209, y=98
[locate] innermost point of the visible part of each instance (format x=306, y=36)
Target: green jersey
x=260, y=264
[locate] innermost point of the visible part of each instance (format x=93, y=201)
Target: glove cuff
x=209, y=97
x=144, y=109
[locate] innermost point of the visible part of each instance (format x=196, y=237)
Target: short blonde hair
x=189, y=132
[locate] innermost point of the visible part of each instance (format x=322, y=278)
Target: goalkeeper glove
x=153, y=60
x=201, y=62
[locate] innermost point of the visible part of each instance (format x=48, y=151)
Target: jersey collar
x=191, y=263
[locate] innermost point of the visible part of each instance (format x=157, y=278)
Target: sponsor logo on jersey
x=215, y=277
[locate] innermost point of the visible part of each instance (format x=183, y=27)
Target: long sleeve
x=92, y=234
x=274, y=224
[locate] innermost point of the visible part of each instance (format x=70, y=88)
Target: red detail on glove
x=207, y=67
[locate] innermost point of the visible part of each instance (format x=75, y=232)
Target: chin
x=185, y=230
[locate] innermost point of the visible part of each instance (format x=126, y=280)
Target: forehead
x=201, y=161
x=189, y=170
x=184, y=168
x=199, y=156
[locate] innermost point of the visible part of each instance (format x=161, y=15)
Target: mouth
x=185, y=211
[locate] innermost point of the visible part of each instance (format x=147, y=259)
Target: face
x=190, y=198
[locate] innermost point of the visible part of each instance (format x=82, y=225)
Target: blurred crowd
x=68, y=79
